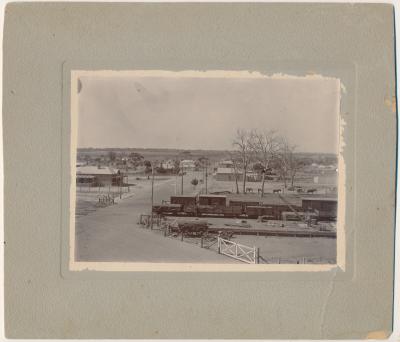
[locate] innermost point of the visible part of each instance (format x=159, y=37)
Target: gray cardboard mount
x=43, y=42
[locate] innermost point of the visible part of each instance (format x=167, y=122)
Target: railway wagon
x=326, y=215
x=326, y=208
x=188, y=204
x=219, y=210
x=184, y=200
x=318, y=203
x=257, y=211
x=212, y=200
x=243, y=204
x=167, y=209
x=277, y=210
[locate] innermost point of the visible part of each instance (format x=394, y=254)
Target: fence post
x=219, y=245
x=201, y=242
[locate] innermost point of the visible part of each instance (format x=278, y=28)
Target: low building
x=227, y=174
x=98, y=176
x=168, y=164
x=253, y=177
x=187, y=165
x=226, y=163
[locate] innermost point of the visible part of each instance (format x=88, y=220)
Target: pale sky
x=204, y=113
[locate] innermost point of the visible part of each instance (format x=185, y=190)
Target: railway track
x=275, y=232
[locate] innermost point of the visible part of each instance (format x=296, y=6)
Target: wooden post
x=182, y=182
x=257, y=255
x=152, y=194
x=219, y=245
x=206, y=177
x=201, y=242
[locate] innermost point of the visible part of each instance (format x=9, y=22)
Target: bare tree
x=242, y=143
x=265, y=147
x=235, y=158
x=287, y=162
x=294, y=165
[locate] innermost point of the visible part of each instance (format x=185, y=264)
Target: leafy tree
x=147, y=165
x=177, y=166
x=161, y=170
x=136, y=158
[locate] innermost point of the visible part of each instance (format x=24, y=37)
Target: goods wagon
x=167, y=209
x=216, y=200
x=213, y=210
x=322, y=204
x=216, y=205
x=185, y=200
x=257, y=211
x=243, y=204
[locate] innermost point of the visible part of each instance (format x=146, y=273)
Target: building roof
x=85, y=176
x=227, y=170
x=268, y=199
x=213, y=196
x=95, y=170
x=184, y=196
x=325, y=199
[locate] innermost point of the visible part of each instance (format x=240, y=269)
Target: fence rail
x=237, y=251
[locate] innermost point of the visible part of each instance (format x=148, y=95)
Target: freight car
x=218, y=206
x=168, y=209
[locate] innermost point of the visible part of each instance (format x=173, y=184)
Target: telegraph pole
x=152, y=194
x=206, y=176
x=182, y=181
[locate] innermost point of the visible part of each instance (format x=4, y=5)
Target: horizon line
x=183, y=149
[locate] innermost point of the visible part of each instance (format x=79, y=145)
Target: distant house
x=168, y=164
x=98, y=176
x=187, y=165
x=226, y=164
x=227, y=174
x=254, y=177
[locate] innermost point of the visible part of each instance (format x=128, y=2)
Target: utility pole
x=182, y=181
x=206, y=176
x=176, y=183
x=152, y=194
x=263, y=181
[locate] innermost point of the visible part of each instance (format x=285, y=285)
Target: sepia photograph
x=215, y=167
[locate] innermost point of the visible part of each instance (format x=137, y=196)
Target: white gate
x=237, y=251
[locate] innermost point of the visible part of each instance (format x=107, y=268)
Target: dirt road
x=111, y=233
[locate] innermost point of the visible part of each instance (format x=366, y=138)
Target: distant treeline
x=127, y=150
